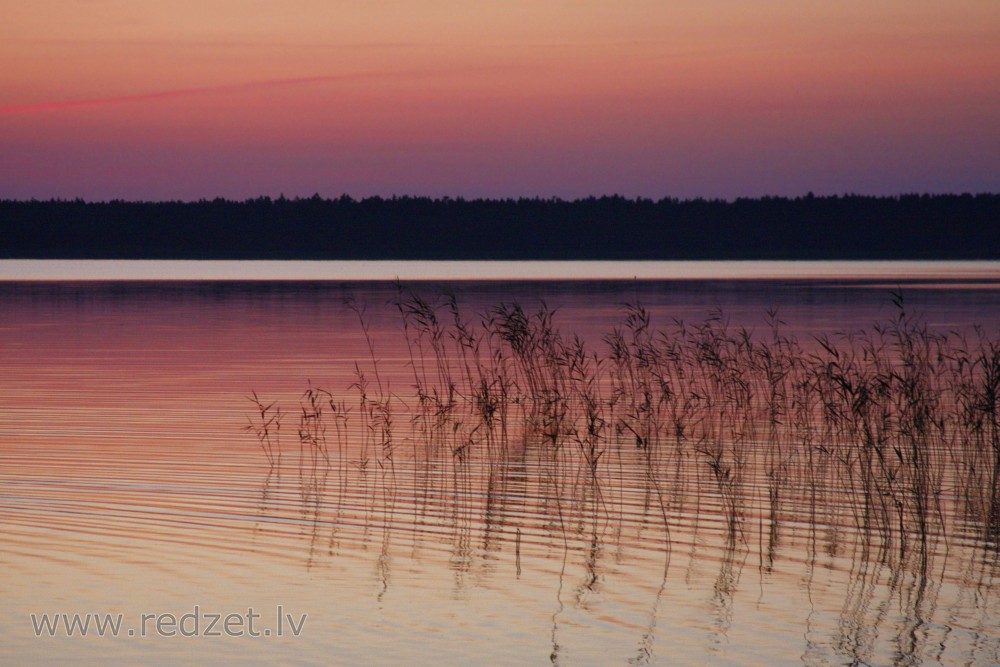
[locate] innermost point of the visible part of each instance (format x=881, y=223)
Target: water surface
x=507, y=271
x=129, y=484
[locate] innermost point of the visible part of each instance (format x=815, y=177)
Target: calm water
x=129, y=484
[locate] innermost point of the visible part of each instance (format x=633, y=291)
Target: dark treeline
x=839, y=227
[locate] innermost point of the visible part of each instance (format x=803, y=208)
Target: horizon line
x=157, y=270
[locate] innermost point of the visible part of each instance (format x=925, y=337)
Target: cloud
x=249, y=86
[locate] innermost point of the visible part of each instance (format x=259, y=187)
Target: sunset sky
x=187, y=99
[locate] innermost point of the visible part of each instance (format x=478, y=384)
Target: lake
x=505, y=463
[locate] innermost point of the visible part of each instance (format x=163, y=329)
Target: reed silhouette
x=890, y=432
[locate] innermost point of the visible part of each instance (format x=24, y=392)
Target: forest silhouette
x=916, y=226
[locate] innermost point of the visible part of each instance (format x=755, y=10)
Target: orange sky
x=184, y=99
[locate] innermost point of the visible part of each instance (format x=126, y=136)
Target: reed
x=376, y=409
x=314, y=456
x=884, y=428
x=267, y=428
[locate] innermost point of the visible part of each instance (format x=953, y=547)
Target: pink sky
x=237, y=98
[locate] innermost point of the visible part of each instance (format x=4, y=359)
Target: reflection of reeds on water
x=502, y=434
x=894, y=427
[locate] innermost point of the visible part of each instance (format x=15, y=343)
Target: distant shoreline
x=850, y=227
